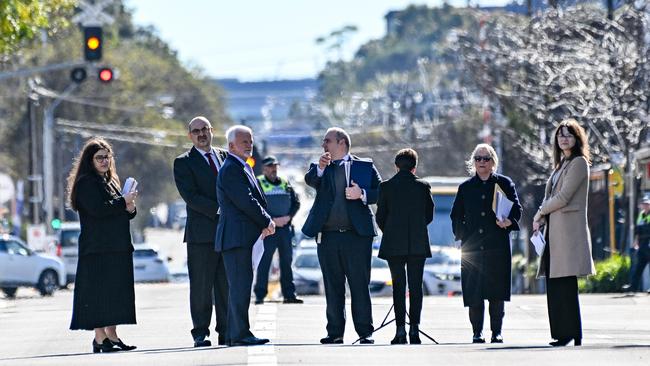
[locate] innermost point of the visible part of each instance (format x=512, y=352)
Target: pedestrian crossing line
x=265, y=327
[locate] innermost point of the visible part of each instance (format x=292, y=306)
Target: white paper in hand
x=129, y=186
x=538, y=242
x=258, y=251
x=504, y=205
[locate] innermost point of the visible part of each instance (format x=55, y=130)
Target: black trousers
x=346, y=255
x=642, y=260
x=496, y=310
x=563, y=304
x=239, y=266
x=208, y=287
x=282, y=241
x=401, y=269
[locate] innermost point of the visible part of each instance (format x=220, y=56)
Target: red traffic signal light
x=105, y=74
x=93, y=43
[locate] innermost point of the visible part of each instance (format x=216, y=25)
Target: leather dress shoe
x=414, y=334
x=564, y=341
x=331, y=340
x=496, y=338
x=250, y=341
x=259, y=301
x=221, y=341
x=292, y=300
x=200, y=341
x=478, y=338
x=366, y=340
x=123, y=347
x=106, y=346
x=400, y=335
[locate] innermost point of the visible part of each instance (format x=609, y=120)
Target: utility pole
x=48, y=168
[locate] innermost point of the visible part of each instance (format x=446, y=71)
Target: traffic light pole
x=37, y=70
x=48, y=165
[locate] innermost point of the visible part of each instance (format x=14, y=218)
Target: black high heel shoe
x=106, y=346
x=564, y=341
x=414, y=334
x=124, y=347
x=400, y=335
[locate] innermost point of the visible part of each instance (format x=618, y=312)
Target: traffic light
x=105, y=74
x=78, y=74
x=93, y=43
x=56, y=224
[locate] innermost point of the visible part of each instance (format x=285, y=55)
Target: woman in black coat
x=404, y=209
x=485, y=241
x=103, y=294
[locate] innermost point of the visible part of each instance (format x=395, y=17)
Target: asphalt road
x=34, y=331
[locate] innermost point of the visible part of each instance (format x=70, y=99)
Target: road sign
x=93, y=14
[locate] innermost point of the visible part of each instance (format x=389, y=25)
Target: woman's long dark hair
x=581, y=148
x=83, y=166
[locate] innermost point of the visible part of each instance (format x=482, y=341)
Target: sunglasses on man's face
x=479, y=158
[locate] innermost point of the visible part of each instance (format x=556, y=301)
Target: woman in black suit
x=103, y=294
x=485, y=240
x=404, y=209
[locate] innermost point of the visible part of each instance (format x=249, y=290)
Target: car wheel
x=47, y=283
x=425, y=290
x=10, y=292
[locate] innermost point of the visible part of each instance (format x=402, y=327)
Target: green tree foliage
x=143, y=112
x=21, y=20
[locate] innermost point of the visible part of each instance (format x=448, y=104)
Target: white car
x=381, y=282
x=22, y=267
x=307, y=276
x=442, y=271
x=149, y=265
x=66, y=247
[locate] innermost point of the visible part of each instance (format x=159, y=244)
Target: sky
x=266, y=39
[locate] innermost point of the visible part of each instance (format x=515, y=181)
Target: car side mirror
x=169, y=259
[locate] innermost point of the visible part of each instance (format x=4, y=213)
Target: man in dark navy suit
x=343, y=226
x=243, y=222
x=195, y=173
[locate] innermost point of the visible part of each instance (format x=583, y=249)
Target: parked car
x=307, y=276
x=381, y=283
x=442, y=271
x=149, y=265
x=66, y=248
x=22, y=267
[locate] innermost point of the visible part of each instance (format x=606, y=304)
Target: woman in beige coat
x=564, y=214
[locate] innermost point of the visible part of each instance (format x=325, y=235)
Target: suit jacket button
x=482, y=247
x=482, y=196
x=480, y=231
x=483, y=213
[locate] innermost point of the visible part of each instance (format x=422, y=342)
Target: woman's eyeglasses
x=479, y=158
x=100, y=158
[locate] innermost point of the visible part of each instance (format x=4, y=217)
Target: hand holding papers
x=501, y=205
x=129, y=186
x=538, y=241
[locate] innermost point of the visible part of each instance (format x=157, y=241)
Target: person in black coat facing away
x=485, y=240
x=103, y=293
x=343, y=224
x=195, y=174
x=244, y=221
x=404, y=209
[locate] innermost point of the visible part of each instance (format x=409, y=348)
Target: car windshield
x=70, y=238
x=379, y=263
x=143, y=253
x=307, y=261
x=439, y=229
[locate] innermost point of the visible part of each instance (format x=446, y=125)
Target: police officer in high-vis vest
x=283, y=203
x=641, y=243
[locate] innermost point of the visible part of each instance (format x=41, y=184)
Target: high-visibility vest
x=278, y=197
